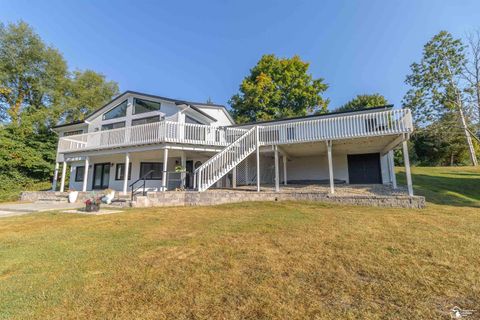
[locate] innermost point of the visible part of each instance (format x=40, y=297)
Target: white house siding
x=316, y=168
x=135, y=159
x=217, y=113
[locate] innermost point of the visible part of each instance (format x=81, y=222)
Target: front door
x=101, y=175
x=364, y=168
x=189, y=176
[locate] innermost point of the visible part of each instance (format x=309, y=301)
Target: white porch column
x=164, y=173
x=330, y=166
x=64, y=173
x=258, y=160
x=284, y=158
x=406, y=161
x=391, y=166
x=85, y=174
x=234, y=177
x=277, y=172
x=125, y=173
x=55, y=176
x=183, y=163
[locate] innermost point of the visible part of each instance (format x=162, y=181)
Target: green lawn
x=284, y=260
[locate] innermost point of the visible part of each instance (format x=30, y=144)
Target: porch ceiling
x=350, y=146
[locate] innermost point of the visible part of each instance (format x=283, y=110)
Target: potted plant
x=72, y=195
x=179, y=168
x=109, y=194
x=92, y=204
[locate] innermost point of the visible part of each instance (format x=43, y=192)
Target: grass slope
x=257, y=260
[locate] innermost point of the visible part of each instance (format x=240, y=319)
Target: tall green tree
x=36, y=91
x=278, y=88
x=362, y=101
x=437, y=87
x=86, y=91
x=31, y=73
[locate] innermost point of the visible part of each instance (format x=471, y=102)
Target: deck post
x=277, y=172
x=392, y=169
x=55, y=176
x=406, y=161
x=234, y=177
x=64, y=173
x=125, y=172
x=258, y=159
x=85, y=174
x=164, y=172
x=330, y=166
x=284, y=158
x=183, y=174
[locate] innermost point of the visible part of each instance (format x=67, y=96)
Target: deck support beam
x=85, y=174
x=164, y=172
x=330, y=166
x=277, y=171
x=64, y=173
x=125, y=173
x=406, y=162
x=55, y=176
x=284, y=158
x=391, y=166
x=258, y=158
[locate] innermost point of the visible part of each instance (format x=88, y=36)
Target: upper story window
x=72, y=133
x=189, y=119
x=142, y=106
x=136, y=122
x=115, y=125
x=117, y=112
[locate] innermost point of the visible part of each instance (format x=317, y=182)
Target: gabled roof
x=388, y=106
x=176, y=101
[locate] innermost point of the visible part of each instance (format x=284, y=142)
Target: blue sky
x=193, y=50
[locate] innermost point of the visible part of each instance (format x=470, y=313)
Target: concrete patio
x=20, y=208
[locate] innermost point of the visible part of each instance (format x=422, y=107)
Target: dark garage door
x=364, y=168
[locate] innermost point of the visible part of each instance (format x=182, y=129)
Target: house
x=153, y=143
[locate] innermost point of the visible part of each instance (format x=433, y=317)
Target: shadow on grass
x=460, y=189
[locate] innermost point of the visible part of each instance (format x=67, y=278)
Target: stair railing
x=224, y=161
x=143, y=179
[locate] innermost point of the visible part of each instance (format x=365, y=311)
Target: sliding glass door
x=101, y=175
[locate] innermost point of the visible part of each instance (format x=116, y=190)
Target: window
x=71, y=133
x=191, y=120
x=120, y=171
x=157, y=168
x=115, y=125
x=142, y=106
x=117, y=112
x=136, y=122
x=79, y=172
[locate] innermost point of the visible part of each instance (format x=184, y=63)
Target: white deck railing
x=367, y=124
x=164, y=131
x=337, y=127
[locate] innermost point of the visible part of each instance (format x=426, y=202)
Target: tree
x=437, y=87
x=31, y=73
x=36, y=91
x=278, y=88
x=362, y=101
x=471, y=74
x=86, y=92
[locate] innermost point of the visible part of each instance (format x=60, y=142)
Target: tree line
x=38, y=90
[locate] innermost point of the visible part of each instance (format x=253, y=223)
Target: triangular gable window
x=117, y=112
